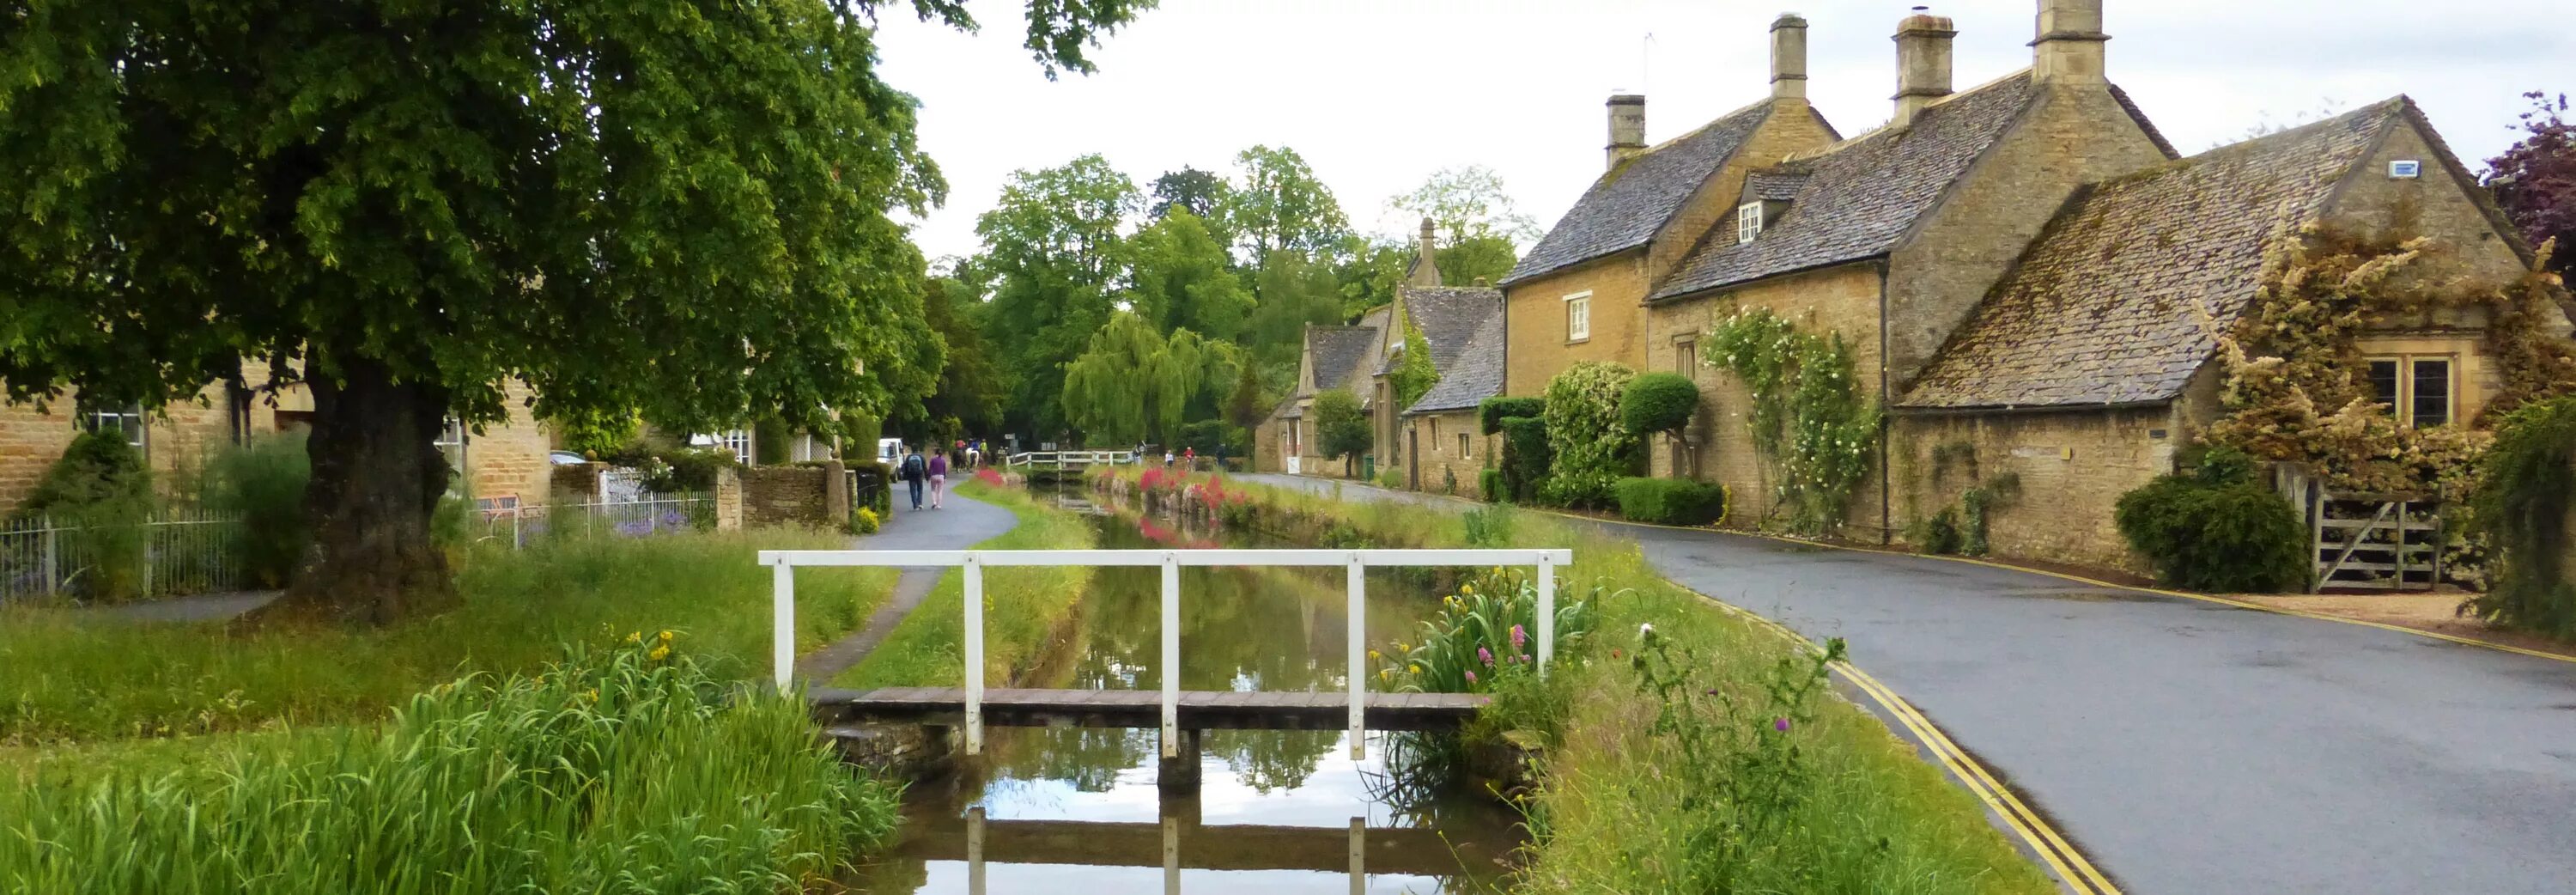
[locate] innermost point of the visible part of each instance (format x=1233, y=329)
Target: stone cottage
x=1334, y=357
x=1448, y=317
x=1447, y=444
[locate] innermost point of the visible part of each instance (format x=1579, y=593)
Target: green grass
x=68, y=676
x=631, y=769
x=1023, y=607
x=1874, y=818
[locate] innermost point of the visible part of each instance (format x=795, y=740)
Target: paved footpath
x=962, y=523
x=2189, y=746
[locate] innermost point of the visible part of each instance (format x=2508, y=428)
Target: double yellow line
x=2072, y=868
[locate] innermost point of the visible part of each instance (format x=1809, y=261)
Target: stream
x=1074, y=810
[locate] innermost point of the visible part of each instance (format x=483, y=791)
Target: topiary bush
x=2217, y=530
x=1658, y=402
x=1526, y=457
x=1592, y=451
x=1493, y=411
x=1671, y=501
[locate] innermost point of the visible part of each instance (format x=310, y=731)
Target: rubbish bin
x=1368, y=467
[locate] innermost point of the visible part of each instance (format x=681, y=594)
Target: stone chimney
x=1426, y=263
x=2069, y=47
x=1627, y=127
x=1789, y=57
x=1922, y=63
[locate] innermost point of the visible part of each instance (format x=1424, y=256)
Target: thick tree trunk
x=377, y=477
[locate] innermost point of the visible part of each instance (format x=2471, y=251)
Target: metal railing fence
x=179, y=550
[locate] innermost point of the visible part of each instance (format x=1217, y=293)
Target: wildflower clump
x=1483, y=631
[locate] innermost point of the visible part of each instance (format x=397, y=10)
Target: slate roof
x=2099, y=311
x=1774, y=184
x=1341, y=354
x=1628, y=204
x=1447, y=316
x=1860, y=197
x=1471, y=377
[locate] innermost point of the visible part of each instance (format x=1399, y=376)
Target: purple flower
x=1780, y=724
x=1519, y=637
x=1471, y=677
x=1486, y=655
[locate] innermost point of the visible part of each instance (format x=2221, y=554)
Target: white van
x=889, y=450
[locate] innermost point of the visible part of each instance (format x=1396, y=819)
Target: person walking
x=938, y=477
x=1190, y=459
x=913, y=471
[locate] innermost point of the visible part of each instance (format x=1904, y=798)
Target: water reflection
x=1077, y=809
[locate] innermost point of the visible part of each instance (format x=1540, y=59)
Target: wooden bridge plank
x=1200, y=710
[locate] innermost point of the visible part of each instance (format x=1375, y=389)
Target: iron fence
x=181, y=550
x=520, y=526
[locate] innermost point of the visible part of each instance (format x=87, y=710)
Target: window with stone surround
x=451, y=443
x=2420, y=390
x=1578, y=316
x=1463, y=444
x=1748, y=222
x=123, y=419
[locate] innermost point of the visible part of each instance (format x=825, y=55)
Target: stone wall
x=511, y=458
x=728, y=499
x=1840, y=300
x=1438, y=433
x=1536, y=346
x=785, y=496
x=30, y=441
x=2072, y=467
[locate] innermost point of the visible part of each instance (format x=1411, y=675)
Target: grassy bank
x=1025, y=609
x=629, y=769
x=67, y=675
x=1622, y=808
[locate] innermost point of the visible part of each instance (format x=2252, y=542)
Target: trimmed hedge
x=1671, y=501
x=2217, y=531
x=1526, y=457
x=1491, y=487
x=1494, y=411
x=1658, y=402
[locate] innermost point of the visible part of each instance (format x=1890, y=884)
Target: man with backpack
x=913, y=471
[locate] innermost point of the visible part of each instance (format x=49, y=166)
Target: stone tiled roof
x=1859, y=198
x=1471, y=377
x=2100, y=309
x=1774, y=184
x=1447, y=316
x=1626, y=206
x=1342, y=355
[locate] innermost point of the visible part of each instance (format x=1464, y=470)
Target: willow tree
x=679, y=208
x=1134, y=384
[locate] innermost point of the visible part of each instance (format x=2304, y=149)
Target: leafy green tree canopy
x=1181, y=278
x=1414, y=373
x=1051, y=245
x=1281, y=205
x=1658, y=402
x=681, y=208
x=1133, y=384
x=1341, y=429
x=1468, y=203
x=1189, y=189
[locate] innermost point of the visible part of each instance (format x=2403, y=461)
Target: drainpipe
x=1886, y=514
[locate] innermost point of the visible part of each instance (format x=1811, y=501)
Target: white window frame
x=2403, y=408
x=127, y=419
x=1466, y=447
x=1578, y=316
x=452, y=442
x=1748, y=222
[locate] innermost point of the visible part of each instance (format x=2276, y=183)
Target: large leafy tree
x=1281, y=205
x=1135, y=384
x=1467, y=203
x=970, y=390
x=1189, y=189
x=1052, y=246
x=676, y=208
x=2535, y=179
x=1180, y=277
x=1293, y=292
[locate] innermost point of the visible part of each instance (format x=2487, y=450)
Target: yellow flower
x=1373, y=654
x=1467, y=589
x=659, y=653
x=1415, y=668
x=666, y=637
x=635, y=637
x=592, y=696
x=1386, y=674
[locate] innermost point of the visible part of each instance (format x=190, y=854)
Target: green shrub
x=1591, y=450
x=1491, y=413
x=101, y=489
x=1491, y=624
x=1341, y=429
x=1490, y=486
x=1526, y=457
x=263, y=483
x=1390, y=478
x=1671, y=501
x=1940, y=534
x=769, y=438
x=2216, y=530
x=1658, y=402
x=2525, y=484
x=1487, y=528
x=627, y=770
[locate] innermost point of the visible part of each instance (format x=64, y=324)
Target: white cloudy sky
x=1378, y=94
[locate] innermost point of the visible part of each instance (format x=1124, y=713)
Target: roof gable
x=2106, y=306
x=1858, y=199
x=1625, y=208
x=1472, y=375
x=1447, y=317
x=1341, y=353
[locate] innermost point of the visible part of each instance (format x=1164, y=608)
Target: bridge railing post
x=972, y=570
x=1546, y=610
x=782, y=635
x=1171, y=655
x=1358, y=585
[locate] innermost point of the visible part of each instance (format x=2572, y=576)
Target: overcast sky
x=1378, y=94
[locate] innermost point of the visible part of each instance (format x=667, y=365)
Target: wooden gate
x=2390, y=543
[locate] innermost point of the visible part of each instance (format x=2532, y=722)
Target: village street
x=2188, y=746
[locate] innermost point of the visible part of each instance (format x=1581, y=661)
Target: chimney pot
x=1922, y=63
x=1789, y=57
x=2069, y=48
x=1627, y=127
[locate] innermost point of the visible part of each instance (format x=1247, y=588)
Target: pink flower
x=1486, y=655
x=1471, y=677
x=1780, y=724
x=1519, y=637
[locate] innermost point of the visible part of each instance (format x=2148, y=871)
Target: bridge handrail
x=783, y=564
x=1061, y=459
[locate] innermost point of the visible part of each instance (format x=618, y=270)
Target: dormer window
x=1748, y=222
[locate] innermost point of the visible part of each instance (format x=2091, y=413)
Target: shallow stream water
x=1077, y=810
